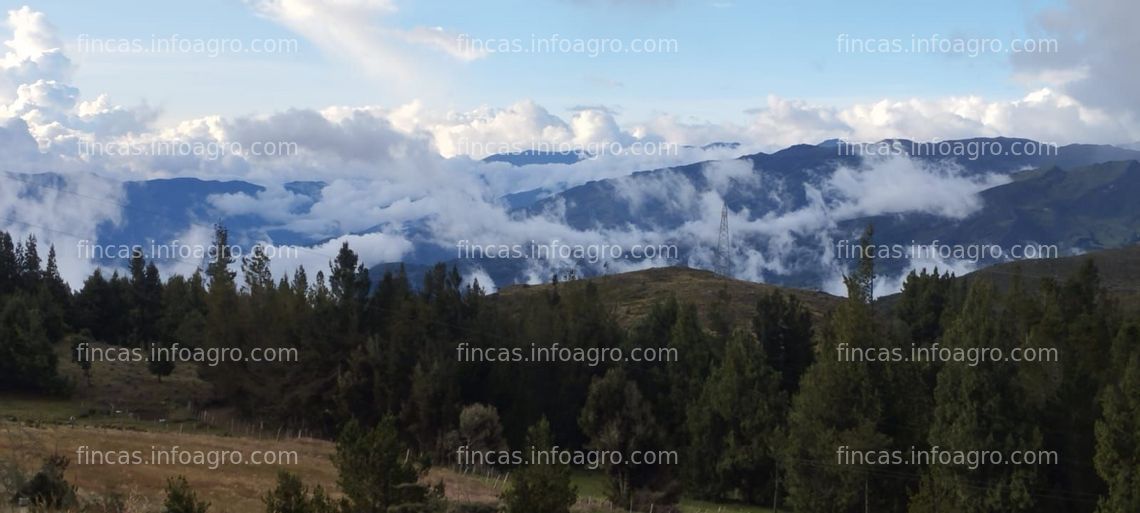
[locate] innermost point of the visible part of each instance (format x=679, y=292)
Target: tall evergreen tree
x=537, y=486
x=220, y=258
x=734, y=426
x=59, y=289
x=31, y=270
x=784, y=329
x=861, y=282
x=375, y=473
x=922, y=302
x=27, y=360
x=225, y=324
x=348, y=278
x=1117, y=457
x=255, y=271
x=840, y=404
x=146, y=300
x=9, y=265
x=617, y=418
x=981, y=408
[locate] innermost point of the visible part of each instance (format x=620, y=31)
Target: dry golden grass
x=130, y=387
x=120, y=409
x=229, y=488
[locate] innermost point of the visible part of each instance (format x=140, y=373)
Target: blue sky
x=383, y=101
x=731, y=56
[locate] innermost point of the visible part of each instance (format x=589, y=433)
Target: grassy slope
x=633, y=294
x=1119, y=272
x=126, y=409
x=236, y=488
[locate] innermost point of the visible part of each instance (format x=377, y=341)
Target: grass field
x=235, y=488
x=125, y=410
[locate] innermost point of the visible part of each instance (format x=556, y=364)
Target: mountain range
x=786, y=209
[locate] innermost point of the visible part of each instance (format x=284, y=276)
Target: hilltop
x=631, y=295
x=1119, y=272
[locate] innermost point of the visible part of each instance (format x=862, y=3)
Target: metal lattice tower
x=723, y=258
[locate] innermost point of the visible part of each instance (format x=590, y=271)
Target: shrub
x=48, y=489
x=292, y=496
x=180, y=498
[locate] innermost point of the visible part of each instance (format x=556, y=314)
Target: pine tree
x=861, y=282
x=31, y=272
x=146, y=300
x=220, y=258
x=840, y=404
x=432, y=405
x=292, y=496
x=90, y=302
x=617, y=418
x=180, y=498
x=226, y=326
x=27, y=361
x=1117, y=457
x=734, y=426
x=60, y=291
x=158, y=365
x=348, y=279
x=784, y=328
x=922, y=302
x=300, y=281
x=374, y=468
x=981, y=408
x=697, y=354
x=255, y=271
x=9, y=265
x=537, y=486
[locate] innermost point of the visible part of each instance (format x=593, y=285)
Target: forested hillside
x=762, y=410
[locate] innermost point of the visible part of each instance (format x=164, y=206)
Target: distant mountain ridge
x=1081, y=198
x=534, y=157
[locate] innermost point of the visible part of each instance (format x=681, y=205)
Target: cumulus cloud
x=34, y=52
x=35, y=88
x=1044, y=115
x=1095, y=57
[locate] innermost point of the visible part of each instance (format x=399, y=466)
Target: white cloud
x=34, y=52
x=411, y=171
x=355, y=31
x=1044, y=115
x=891, y=186
x=1095, y=57
x=60, y=211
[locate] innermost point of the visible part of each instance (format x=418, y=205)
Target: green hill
x=632, y=294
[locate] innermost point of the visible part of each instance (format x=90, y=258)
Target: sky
x=394, y=103
x=729, y=56
x=723, y=60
